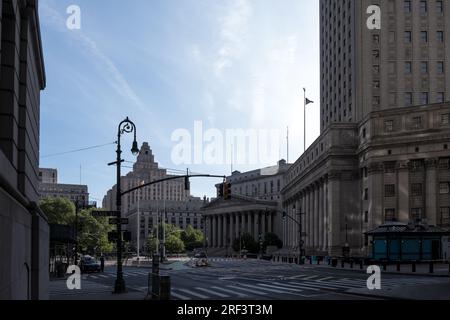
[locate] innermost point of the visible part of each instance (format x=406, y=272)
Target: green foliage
x=93, y=233
x=174, y=244
x=152, y=245
x=58, y=210
x=246, y=242
x=192, y=238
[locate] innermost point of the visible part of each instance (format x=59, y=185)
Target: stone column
x=298, y=217
x=316, y=217
x=334, y=214
x=325, y=219
x=307, y=219
x=220, y=233
x=225, y=236
x=214, y=230
x=431, y=192
x=256, y=226
x=403, y=191
x=269, y=222
x=263, y=226
x=321, y=229
x=232, y=228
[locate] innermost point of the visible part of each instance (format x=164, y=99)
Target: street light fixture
x=125, y=126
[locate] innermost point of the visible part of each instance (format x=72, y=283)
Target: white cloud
x=233, y=31
x=112, y=74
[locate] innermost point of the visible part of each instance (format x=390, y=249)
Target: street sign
x=105, y=213
x=116, y=221
x=112, y=236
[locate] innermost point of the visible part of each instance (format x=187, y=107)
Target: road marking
x=310, y=278
x=94, y=277
x=265, y=289
x=278, y=287
x=229, y=291
x=326, y=279
x=295, y=286
x=247, y=290
x=103, y=276
x=179, y=296
x=198, y=295
x=213, y=292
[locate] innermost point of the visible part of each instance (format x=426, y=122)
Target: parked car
x=89, y=264
x=200, y=255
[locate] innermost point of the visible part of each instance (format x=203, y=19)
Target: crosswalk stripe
x=279, y=287
x=179, y=296
x=324, y=285
x=295, y=286
x=213, y=292
x=229, y=291
x=198, y=295
x=310, y=278
x=326, y=279
x=94, y=277
x=266, y=289
x=337, y=285
x=247, y=290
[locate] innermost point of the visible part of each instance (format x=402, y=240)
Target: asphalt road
x=248, y=280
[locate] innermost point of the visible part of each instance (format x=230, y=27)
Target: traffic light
x=220, y=190
x=227, y=191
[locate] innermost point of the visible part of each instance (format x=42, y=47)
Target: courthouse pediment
x=238, y=204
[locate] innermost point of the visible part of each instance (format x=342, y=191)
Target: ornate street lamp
x=125, y=126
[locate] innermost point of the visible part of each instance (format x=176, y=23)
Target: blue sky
x=235, y=64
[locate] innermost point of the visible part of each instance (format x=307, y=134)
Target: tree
x=93, y=233
x=152, y=245
x=174, y=244
x=192, y=238
x=246, y=242
x=58, y=210
x=271, y=239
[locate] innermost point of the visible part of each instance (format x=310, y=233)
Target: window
x=408, y=99
x=424, y=67
x=389, y=190
x=407, y=6
x=389, y=215
x=440, y=67
x=444, y=188
x=416, y=214
x=366, y=194
x=366, y=216
x=408, y=36
x=389, y=126
x=423, y=7
x=417, y=123
x=408, y=67
x=389, y=167
x=440, y=36
x=445, y=119
x=424, y=36
x=416, y=189
x=440, y=97
x=424, y=98
x=445, y=216
x=440, y=7
x=444, y=163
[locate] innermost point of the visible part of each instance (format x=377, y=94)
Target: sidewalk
x=440, y=269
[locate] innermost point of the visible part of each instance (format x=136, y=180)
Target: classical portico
x=226, y=220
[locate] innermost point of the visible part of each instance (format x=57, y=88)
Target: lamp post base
x=120, y=287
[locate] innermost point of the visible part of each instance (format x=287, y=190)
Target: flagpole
x=287, y=138
x=304, y=120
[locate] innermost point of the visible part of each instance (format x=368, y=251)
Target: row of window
x=408, y=36
x=416, y=189
x=423, y=7
x=416, y=214
x=416, y=123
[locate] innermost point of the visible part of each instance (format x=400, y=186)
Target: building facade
x=24, y=236
x=254, y=208
x=50, y=188
x=383, y=153
x=146, y=170
x=152, y=212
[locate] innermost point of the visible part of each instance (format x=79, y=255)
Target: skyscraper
x=378, y=60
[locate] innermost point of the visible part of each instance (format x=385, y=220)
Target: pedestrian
x=102, y=263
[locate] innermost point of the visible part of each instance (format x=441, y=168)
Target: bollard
x=361, y=264
x=318, y=261
x=413, y=266
x=351, y=264
x=384, y=266
x=431, y=267
x=164, y=288
x=342, y=263
x=398, y=267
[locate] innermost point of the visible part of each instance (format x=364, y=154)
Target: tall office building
x=366, y=68
x=382, y=156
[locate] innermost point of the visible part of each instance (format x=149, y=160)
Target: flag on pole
x=308, y=101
